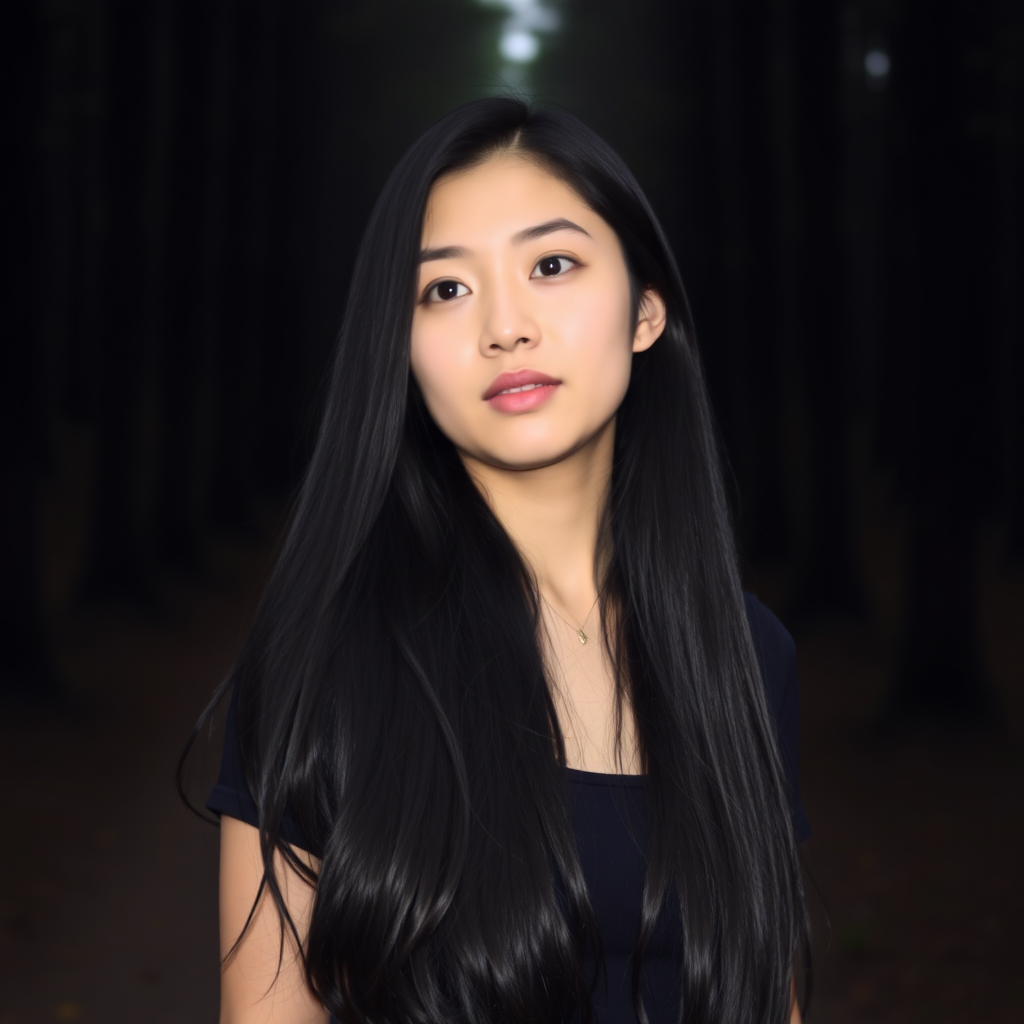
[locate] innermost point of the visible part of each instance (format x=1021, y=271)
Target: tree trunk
x=26, y=671
x=826, y=578
x=121, y=559
x=942, y=348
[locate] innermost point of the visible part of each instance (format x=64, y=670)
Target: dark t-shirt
x=609, y=817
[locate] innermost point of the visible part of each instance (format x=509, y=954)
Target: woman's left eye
x=553, y=266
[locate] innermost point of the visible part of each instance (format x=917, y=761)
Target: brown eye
x=553, y=266
x=445, y=291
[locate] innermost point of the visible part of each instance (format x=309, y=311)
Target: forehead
x=505, y=192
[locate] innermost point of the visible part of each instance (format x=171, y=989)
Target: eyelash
x=557, y=256
x=427, y=295
x=433, y=288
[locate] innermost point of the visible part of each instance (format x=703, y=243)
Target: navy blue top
x=609, y=817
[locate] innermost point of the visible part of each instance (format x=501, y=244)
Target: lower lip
x=522, y=401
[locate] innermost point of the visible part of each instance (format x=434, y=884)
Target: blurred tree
x=939, y=435
x=62, y=29
x=26, y=671
x=740, y=245
x=770, y=288
x=121, y=557
x=249, y=178
x=193, y=333
x=826, y=578
x=1004, y=124
x=89, y=220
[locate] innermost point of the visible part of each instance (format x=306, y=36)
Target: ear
x=650, y=322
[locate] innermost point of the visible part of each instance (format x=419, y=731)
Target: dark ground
x=108, y=905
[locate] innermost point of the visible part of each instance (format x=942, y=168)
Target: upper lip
x=517, y=379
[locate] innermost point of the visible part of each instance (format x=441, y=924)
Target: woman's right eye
x=445, y=291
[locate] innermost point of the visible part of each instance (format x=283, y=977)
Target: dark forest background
x=187, y=182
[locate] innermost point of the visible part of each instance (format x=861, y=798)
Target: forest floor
x=108, y=898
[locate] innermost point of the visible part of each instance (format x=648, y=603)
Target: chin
x=526, y=464
x=527, y=457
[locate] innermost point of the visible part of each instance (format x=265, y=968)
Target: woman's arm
x=794, y=1013
x=253, y=990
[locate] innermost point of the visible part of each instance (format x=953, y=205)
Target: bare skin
x=252, y=990
x=518, y=274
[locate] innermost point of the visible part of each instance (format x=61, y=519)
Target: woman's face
x=522, y=335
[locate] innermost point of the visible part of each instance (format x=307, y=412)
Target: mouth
x=519, y=382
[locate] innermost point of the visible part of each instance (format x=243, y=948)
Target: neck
x=553, y=514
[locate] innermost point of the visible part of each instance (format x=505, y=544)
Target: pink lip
x=520, y=401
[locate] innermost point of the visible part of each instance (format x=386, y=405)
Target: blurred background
x=188, y=181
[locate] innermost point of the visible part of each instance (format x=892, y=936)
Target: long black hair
x=392, y=695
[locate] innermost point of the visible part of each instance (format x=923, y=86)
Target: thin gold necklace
x=578, y=630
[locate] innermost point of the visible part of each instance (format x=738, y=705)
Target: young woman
x=506, y=741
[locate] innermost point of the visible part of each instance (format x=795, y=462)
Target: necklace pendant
x=583, y=636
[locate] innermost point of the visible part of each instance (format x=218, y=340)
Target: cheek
x=439, y=371
x=601, y=342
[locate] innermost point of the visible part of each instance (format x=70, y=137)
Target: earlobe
x=651, y=321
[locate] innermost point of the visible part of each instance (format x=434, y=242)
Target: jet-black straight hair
x=392, y=695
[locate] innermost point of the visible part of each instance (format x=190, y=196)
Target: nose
x=508, y=322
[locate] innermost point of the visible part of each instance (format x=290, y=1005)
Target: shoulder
x=231, y=795
x=774, y=647
x=776, y=658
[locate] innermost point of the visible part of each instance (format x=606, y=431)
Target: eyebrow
x=454, y=252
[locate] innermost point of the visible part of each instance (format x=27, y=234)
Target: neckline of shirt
x=604, y=778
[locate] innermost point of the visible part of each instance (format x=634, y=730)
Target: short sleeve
x=230, y=794
x=776, y=656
